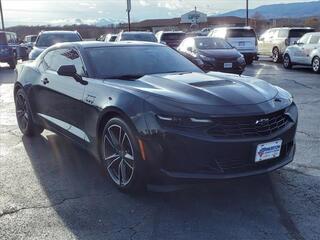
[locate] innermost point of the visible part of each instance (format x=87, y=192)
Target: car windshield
x=47, y=40
x=33, y=38
x=212, y=43
x=146, y=37
x=111, y=62
x=113, y=38
x=3, y=39
x=173, y=36
x=237, y=33
x=298, y=33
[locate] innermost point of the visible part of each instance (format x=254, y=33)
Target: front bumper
x=236, y=68
x=175, y=156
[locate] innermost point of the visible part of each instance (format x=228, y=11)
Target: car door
x=300, y=53
x=312, y=44
x=59, y=99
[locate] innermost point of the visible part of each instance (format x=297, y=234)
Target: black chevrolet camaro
x=151, y=115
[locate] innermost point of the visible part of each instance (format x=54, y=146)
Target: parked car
x=149, y=114
x=242, y=38
x=212, y=54
x=274, y=41
x=136, y=36
x=306, y=52
x=28, y=43
x=49, y=38
x=171, y=38
x=107, y=38
x=9, y=48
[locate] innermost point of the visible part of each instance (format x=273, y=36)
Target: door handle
x=45, y=81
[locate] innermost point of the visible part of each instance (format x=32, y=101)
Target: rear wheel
x=249, y=60
x=316, y=64
x=24, y=117
x=287, y=62
x=276, y=55
x=13, y=62
x=121, y=156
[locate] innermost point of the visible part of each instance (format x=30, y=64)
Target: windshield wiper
x=126, y=77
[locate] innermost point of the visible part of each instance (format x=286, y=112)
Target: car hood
x=36, y=51
x=221, y=53
x=212, y=89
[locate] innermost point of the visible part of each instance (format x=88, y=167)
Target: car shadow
x=91, y=208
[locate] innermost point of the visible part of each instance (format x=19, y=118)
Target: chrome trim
x=66, y=126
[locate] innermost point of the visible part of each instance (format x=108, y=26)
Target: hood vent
x=212, y=83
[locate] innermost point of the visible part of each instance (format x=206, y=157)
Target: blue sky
x=58, y=12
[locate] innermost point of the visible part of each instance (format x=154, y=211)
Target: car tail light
x=287, y=42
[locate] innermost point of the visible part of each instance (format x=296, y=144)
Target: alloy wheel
x=275, y=55
x=316, y=65
x=22, y=111
x=118, y=155
x=286, y=61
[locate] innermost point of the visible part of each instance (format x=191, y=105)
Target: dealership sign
x=194, y=17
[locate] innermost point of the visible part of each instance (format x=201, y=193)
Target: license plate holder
x=269, y=150
x=227, y=65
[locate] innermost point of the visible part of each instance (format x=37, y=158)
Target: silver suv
x=305, y=52
x=274, y=41
x=244, y=39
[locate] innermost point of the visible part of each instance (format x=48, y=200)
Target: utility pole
x=1, y=12
x=128, y=11
x=247, y=12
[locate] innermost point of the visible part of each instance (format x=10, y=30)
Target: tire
x=121, y=156
x=24, y=116
x=276, y=58
x=287, y=64
x=316, y=64
x=13, y=64
x=249, y=61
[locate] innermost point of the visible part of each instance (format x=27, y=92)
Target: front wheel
x=276, y=55
x=287, y=62
x=249, y=61
x=316, y=64
x=24, y=117
x=121, y=156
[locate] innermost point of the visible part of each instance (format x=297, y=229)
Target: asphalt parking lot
x=51, y=189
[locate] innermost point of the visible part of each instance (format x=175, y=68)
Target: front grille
x=249, y=126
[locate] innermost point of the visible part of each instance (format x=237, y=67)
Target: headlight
x=283, y=94
x=184, y=121
x=241, y=60
x=207, y=59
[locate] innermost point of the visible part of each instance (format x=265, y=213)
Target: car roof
x=91, y=44
x=240, y=28
x=59, y=32
x=172, y=32
x=294, y=28
x=137, y=32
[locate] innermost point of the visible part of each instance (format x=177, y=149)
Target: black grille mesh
x=249, y=126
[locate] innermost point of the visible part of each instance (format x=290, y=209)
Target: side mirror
x=163, y=42
x=261, y=39
x=71, y=71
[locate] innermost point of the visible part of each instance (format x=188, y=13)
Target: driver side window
x=66, y=56
x=304, y=39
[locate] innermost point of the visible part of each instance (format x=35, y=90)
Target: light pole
x=128, y=11
x=247, y=12
x=1, y=12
